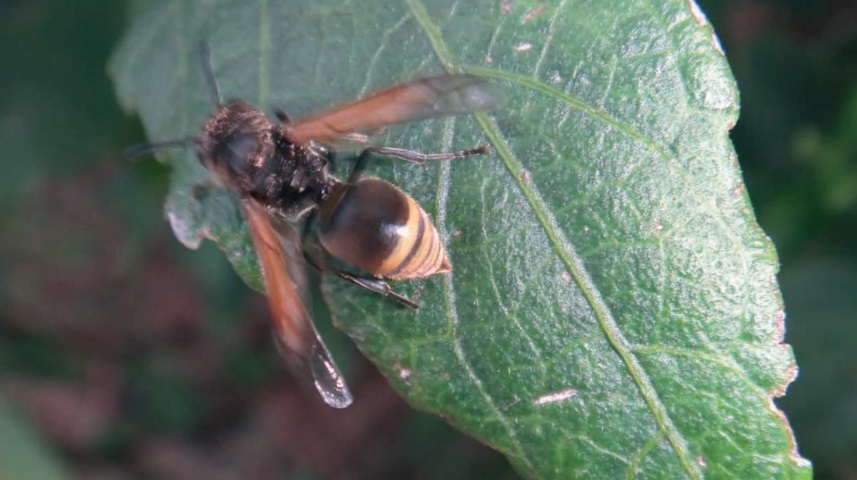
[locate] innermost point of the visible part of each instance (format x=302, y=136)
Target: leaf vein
x=723, y=361
x=634, y=463
x=600, y=449
x=614, y=66
x=565, y=250
x=382, y=44
x=511, y=313
x=548, y=37
x=706, y=203
x=574, y=264
x=450, y=302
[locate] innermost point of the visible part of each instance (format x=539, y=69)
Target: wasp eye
x=238, y=149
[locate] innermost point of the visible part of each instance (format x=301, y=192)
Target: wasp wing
x=282, y=264
x=415, y=100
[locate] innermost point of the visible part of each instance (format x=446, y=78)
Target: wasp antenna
x=208, y=69
x=141, y=149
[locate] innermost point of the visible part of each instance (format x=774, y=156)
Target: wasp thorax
x=248, y=153
x=380, y=229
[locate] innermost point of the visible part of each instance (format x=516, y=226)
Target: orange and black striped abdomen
x=380, y=229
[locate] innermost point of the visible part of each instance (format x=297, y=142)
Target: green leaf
x=57, y=90
x=613, y=309
x=23, y=455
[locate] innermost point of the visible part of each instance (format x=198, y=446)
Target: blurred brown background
x=124, y=355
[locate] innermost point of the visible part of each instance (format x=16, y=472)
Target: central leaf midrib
x=567, y=254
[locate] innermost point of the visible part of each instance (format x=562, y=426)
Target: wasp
x=282, y=174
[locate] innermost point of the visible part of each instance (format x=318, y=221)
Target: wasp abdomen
x=380, y=229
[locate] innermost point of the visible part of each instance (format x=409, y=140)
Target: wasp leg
x=317, y=262
x=378, y=286
x=282, y=116
x=140, y=149
x=372, y=284
x=408, y=155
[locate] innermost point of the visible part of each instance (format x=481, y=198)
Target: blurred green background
x=124, y=355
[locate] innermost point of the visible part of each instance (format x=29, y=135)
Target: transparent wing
x=282, y=265
x=415, y=100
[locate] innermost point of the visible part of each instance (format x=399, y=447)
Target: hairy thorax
x=250, y=155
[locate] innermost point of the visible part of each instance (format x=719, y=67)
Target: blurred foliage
x=796, y=66
x=114, y=339
x=821, y=406
x=55, y=114
x=23, y=455
x=829, y=158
